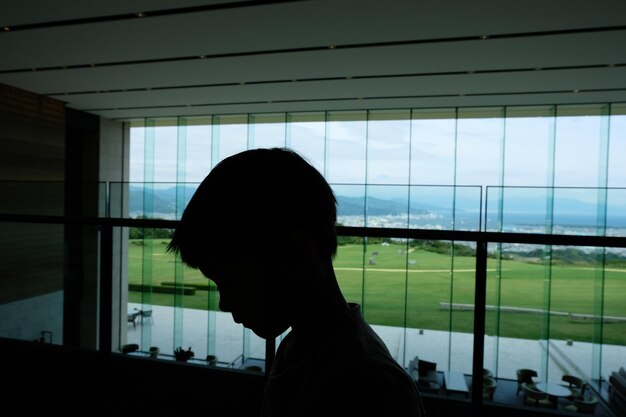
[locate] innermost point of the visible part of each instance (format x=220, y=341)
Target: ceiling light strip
x=520, y=93
x=337, y=78
x=144, y=14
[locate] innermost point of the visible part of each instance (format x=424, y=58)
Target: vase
x=154, y=352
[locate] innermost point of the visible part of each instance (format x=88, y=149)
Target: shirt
x=348, y=371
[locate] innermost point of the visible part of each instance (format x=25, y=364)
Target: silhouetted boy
x=262, y=227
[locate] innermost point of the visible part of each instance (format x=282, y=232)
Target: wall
x=96, y=157
x=114, y=166
x=33, y=148
x=32, y=171
x=56, y=161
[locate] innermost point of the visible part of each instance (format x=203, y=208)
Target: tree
x=149, y=233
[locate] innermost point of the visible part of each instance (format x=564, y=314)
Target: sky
x=464, y=151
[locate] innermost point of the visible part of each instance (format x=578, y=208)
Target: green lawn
x=395, y=293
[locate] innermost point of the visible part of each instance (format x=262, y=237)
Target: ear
x=296, y=255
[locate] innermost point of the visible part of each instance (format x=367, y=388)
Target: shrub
x=162, y=289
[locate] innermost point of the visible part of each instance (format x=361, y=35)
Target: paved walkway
x=449, y=350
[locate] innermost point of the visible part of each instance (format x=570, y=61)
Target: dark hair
x=260, y=192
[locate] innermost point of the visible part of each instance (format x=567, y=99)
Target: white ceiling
x=193, y=57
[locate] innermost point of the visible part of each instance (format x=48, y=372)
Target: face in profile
x=252, y=210
x=260, y=287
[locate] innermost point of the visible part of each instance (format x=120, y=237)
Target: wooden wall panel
x=32, y=135
x=32, y=172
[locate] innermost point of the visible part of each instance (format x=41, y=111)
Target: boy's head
x=254, y=196
x=258, y=225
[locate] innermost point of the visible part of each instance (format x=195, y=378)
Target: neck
x=325, y=305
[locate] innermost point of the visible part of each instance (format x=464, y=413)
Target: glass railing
x=556, y=210
x=550, y=301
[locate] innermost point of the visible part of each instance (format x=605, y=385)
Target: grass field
x=395, y=293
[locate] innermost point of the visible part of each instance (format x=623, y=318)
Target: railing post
x=270, y=352
x=480, y=299
x=106, y=288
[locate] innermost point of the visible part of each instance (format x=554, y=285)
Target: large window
x=550, y=169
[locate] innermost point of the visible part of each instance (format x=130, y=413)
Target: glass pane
x=578, y=138
x=266, y=131
x=230, y=136
x=544, y=301
x=388, y=147
x=428, y=297
x=387, y=206
x=346, y=147
x=571, y=311
x=560, y=210
x=445, y=207
x=461, y=317
x=576, y=211
x=306, y=134
x=516, y=290
x=479, y=146
x=165, y=200
x=614, y=311
x=432, y=207
x=440, y=305
x=384, y=290
x=433, y=147
x=349, y=267
x=518, y=209
x=165, y=151
x=350, y=204
x=467, y=208
x=197, y=163
x=528, y=138
x=617, y=146
x=137, y=154
x=492, y=312
x=615, y=215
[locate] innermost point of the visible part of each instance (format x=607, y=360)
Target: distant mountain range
x=164, y=203
x=350, y=206
x=563, y=205
x=163, y=200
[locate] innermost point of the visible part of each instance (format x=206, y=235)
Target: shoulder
x=380, y=373
x=375, y=386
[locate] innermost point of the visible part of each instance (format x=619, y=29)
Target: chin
x=268, y=333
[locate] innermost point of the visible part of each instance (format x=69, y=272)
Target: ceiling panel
x=343, y=54
x=393, y=103
x=425, y=86
x=295, y=25
x=480, y=55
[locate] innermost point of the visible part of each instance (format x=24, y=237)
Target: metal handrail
x=400, y=233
